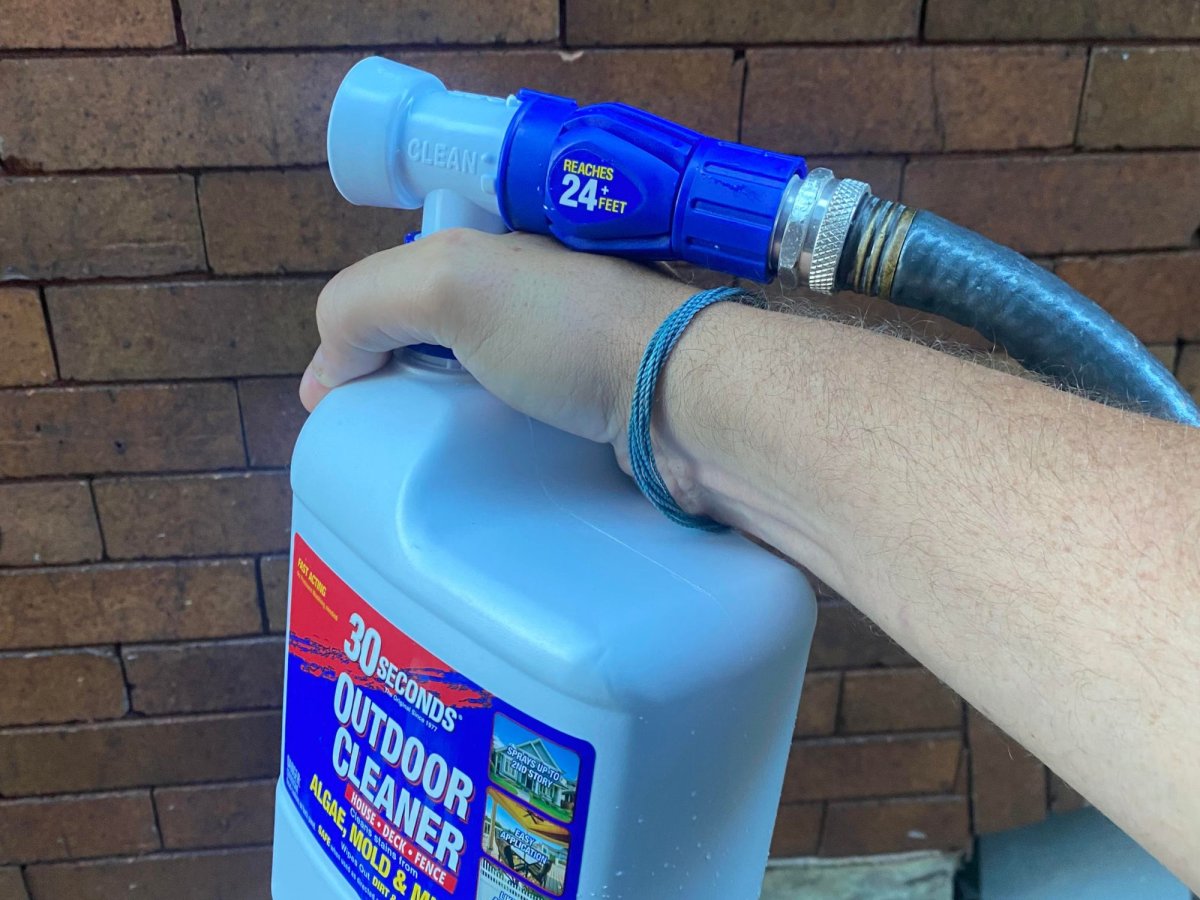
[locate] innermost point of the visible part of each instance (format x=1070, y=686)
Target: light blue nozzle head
x=366, y=126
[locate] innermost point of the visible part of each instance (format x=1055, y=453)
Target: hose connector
x=813, y=228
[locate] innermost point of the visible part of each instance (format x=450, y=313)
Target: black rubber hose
x=1036, y=317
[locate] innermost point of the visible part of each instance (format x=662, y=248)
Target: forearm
x=1037, y=551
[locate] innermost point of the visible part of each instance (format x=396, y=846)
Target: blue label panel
x=415, y=781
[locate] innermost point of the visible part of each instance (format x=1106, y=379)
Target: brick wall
x=166, y=223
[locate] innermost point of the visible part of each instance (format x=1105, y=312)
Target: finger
x=332, y=367
x=363, y=313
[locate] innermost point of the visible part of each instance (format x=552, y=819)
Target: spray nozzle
x=606, y=178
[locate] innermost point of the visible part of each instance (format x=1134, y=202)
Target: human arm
x=1038, y=552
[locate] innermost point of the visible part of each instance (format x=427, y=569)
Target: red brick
x=1008, y=784
x=897, y=700
x=724, y=22
x=845, y=638
x=882, y=173
x=291, y=222
x=1015, y=20
x=1065, y=204
x=47, y=522
x=168, y=111
x=797, y=830
x=273, y=572
x=1063, y=797
x=45, y=830
x=1153, y=294
x=933, y=99
x=242, y=874
x=205, y=677
x=207, y=329
x=12, y=884
x=311, y=23
x=44, y=688
x=216, y=815
x=892, y=765
x=1188, y=369
x=1002, y=97
x=819, y=704
x=134, y=602
x=1142, y=97
x=27, y=356
x=272, y=417
x=99, y=226
x=896, y=826
x=138, y=752
x=34, y=24
x=194, y=515
x=64, y=431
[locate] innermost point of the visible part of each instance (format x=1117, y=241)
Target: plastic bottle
x=580, y=698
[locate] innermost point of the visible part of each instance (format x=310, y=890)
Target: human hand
x=554, y=333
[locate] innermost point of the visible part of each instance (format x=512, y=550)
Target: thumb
x=364, y=313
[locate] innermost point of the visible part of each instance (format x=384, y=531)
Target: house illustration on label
x=537, y=770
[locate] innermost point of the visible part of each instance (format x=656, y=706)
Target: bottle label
x=415, y=781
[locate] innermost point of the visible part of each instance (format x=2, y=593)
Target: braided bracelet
x=641, y=453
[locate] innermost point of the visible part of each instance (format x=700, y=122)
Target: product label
x=414, y=780
x=587, y=188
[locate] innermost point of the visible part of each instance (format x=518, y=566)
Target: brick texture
x=311, y=23
x=1188, y=369
x=207, y=329
x=44, y=830
x=12, y=884
x=1063, y=797
x=138, y=752
x=164, y=112
x=283, y=222
x=1153, y=294
x=272, y=416
x=893, y=765
x=135, y=602
x=933, y=99
x=1140, y=97
x=98, y=227
x=1065, y=204
x=47, y=522
x=73, y=24
x=273, y=572
x=819, y=704
x=216, y=815
x=201, y=677
x=27, y=356
x=611, y=22
x=1009, y=788
x=895, y=826
x=797, y=830
x=897, y=700
x=47, y=687
x=243, y=873
x=845, y=638
x=65, y=431
x=1016, y=20
x=194, y=515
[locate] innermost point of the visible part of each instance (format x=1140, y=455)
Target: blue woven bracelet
x=641, y=453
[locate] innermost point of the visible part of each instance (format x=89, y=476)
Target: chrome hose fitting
x=812, y=227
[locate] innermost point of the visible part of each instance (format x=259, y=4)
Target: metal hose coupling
x=834, y=234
